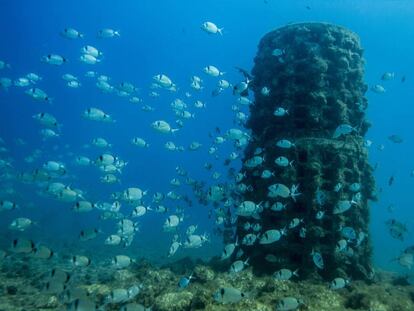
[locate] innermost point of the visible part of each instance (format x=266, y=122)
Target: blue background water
x=165, y=37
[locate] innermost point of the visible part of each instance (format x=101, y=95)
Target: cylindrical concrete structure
x=309, y=91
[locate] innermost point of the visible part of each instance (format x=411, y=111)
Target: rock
x=177, y=301
x=124, y=275
x=203, y=273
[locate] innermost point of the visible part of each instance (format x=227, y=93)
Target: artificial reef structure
x=308, y=125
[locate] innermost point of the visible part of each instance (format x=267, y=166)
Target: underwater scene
x=206, y=155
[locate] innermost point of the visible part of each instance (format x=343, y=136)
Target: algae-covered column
x=307, y=161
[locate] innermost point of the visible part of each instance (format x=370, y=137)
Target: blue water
x=165, y=37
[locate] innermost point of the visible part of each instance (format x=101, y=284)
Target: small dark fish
x=216, y=92
x=391, y=181
x=245, y=73
x=244, y=93
x=403, y=79
x=228, y=213
x=409, y=250
x=231, y=172
x=218, y=130
x=395, y=139
x=308, y=7
x=218, y=231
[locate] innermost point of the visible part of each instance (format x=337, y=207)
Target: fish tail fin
x=295, y=273
x=220, y=30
